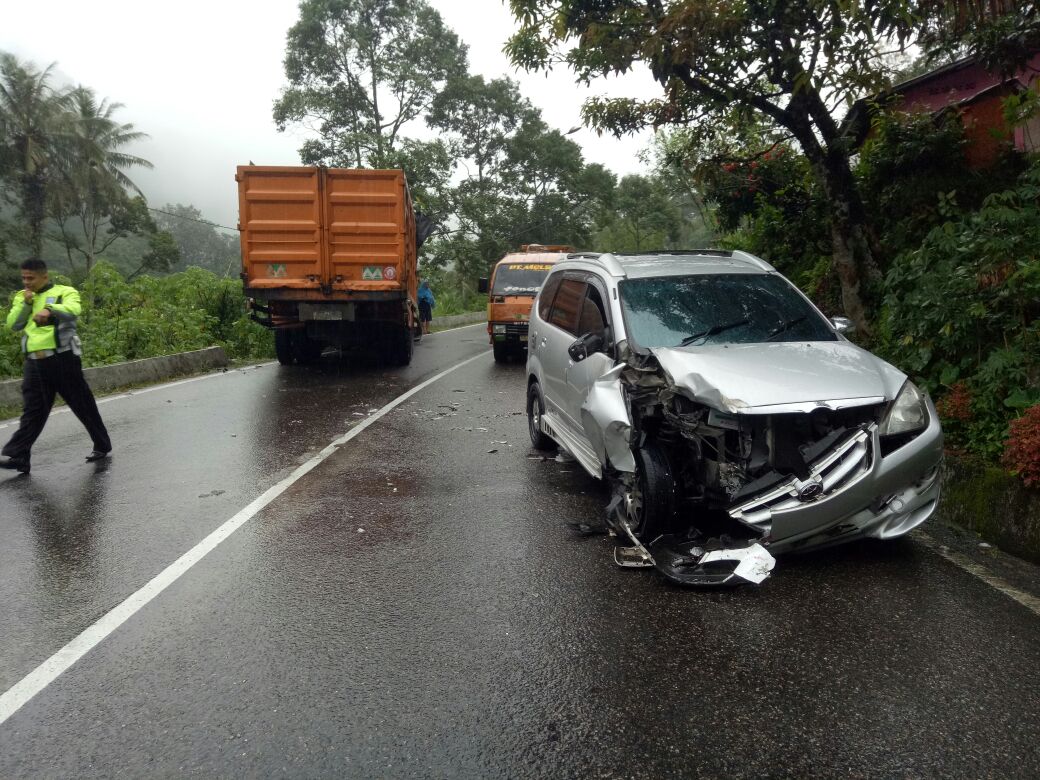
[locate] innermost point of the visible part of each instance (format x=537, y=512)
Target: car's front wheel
x=649, y=494
x=535, y=410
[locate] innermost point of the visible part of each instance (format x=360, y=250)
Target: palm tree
x=94, y=189
x=31, y=130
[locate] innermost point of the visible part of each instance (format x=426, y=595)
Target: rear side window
x=567, y=305
x=548, y=293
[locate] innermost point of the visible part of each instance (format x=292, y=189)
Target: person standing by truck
x=45, y=314
x=426, y=304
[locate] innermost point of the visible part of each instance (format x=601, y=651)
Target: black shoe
x=96, y=455
x=15, y=463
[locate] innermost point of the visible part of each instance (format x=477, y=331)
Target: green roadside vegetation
x=150, y=316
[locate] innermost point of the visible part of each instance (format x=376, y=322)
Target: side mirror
x=482, y=285
x=586, y=345
x=843, y=325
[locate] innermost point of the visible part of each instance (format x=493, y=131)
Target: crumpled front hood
x=757, y=378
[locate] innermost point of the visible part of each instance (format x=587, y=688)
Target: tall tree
x=723, y=64
x=32, y=128
x=646, y=217
x=359, y=71
x=91, y=199
x=482, y=116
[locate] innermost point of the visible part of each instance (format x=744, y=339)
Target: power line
x=192, y=219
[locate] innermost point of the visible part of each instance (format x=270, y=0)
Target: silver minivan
x=732, y=419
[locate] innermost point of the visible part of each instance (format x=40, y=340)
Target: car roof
x=670, y=263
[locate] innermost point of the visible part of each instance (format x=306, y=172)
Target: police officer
x=45, y=314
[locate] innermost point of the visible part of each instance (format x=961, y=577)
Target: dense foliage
x=962, y=313
x=150, y=316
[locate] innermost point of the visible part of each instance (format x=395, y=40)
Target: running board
x=553, y=427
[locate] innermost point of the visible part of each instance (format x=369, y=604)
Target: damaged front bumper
x=861, y=493
x=853, y=491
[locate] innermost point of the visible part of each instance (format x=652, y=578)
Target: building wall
x=984, y=124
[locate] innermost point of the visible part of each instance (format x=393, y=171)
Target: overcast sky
x=200, y=78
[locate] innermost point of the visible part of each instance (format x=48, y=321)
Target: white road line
x=44, y=674
x=449, y=330
x=1031, y=603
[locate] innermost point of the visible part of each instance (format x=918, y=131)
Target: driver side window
x=593, y=317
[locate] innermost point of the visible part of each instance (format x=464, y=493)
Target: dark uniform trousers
x=61, y=373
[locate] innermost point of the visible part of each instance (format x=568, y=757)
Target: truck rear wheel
x=402, y=346
x=305, y=349
x=502, y=351
x=283, y=348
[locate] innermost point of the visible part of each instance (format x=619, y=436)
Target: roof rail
x=709, y=252
x=758, y=262
x=735, y=254
x=589, y=255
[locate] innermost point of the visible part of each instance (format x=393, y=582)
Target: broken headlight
x=907, y=414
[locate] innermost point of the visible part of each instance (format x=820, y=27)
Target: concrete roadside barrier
x=103, y=379
x=457, y=320
x=995, y=505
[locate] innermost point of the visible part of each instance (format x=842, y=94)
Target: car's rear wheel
x=650, y=495
x=535, y=410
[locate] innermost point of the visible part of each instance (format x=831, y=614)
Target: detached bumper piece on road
x=686, y=563
x=716, y=562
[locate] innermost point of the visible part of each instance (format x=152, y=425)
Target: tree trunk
x=33, y=204
x=853, y=260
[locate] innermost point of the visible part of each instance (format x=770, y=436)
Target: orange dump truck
x=329, y=257
x=514, y=283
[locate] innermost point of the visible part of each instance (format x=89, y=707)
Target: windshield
x=520, y=278
x=676, y=311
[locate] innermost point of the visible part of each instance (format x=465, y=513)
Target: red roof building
x=977, y=95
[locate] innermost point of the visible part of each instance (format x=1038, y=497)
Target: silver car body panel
x=604, y=416
x=779, y=377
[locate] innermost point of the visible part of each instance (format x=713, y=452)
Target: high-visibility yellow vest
x=60, y=331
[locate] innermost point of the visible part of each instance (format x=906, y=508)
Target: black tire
x=306, y=349
x=650, y=502
x=283, y=347
x=501, y=350
x=402, y=346
x=535, y=410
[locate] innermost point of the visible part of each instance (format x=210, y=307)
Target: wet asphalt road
x=417, y=606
